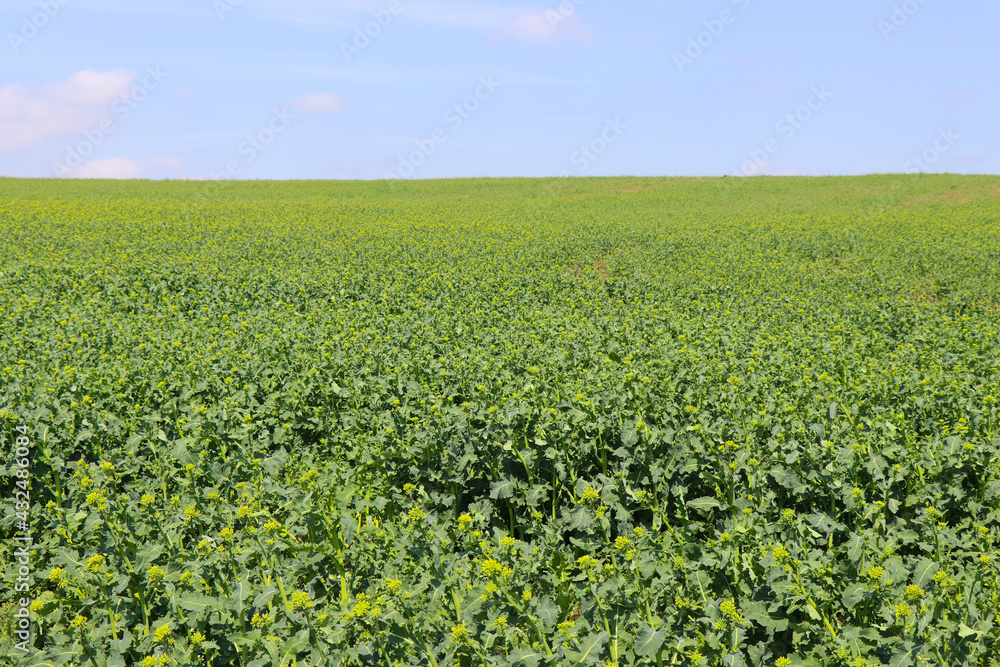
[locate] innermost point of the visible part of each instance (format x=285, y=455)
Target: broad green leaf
x=264, y=597
x=60, y=657
x=704, y=503
x=966, y=631
x=853, y=594
x=241, y=590
x=855, y=546
x=649, y=641
x=196, y=602
x=734, y=660
x=907, y=656
x=526, y=657
x=148, y=555
x=289, y=649
x=924, y=572
x=588, y=649
x=503, y=488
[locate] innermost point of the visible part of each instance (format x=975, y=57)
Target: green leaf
x=503, y=488
x=243, y=638
x=855, y=546
x=854, y=594
x=580, y=518
x=757, y=612
x=61, y=657
x=547, y=612
x=966, y=631
x=272, y=650
x=924, y=572
x=289, y=649
x=704, y=503
x=123, y=644
x=787, y=477
x=148, y=555
x=589, y=649
x=906, y=656
x=264, y=597
x=196, y=602
x=734, y=660
x=241, y=590
x=526, y=657
x=649, y=641
x=538, y=494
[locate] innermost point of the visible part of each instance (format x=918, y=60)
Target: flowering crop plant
x=607, y=421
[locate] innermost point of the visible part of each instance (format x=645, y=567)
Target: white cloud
x=319, y=103
x=478, y=14
x=325, y=13
x=952, y=96
x=348, y=14
x=544, y=27
x=122, y=167
x=29, y=116
x=530, y=27
x=351, y=14
x=112, y=167
x=164, y=163
x=90, y=88
x=341, y=14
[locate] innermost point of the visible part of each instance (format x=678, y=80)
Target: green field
x=603, y=421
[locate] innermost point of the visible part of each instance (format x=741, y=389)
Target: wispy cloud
x=343, y=74
x=491, y=15
x=30, y=116
x=545, y=27
x=484, y=14
x=319, y=103
x=479, y=15
x=325, y=13
x=953, y=96
x=473, y=14
x=112, y=167
x=574, y=120
x=124, y=168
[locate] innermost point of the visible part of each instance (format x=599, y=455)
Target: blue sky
x=359, y=89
